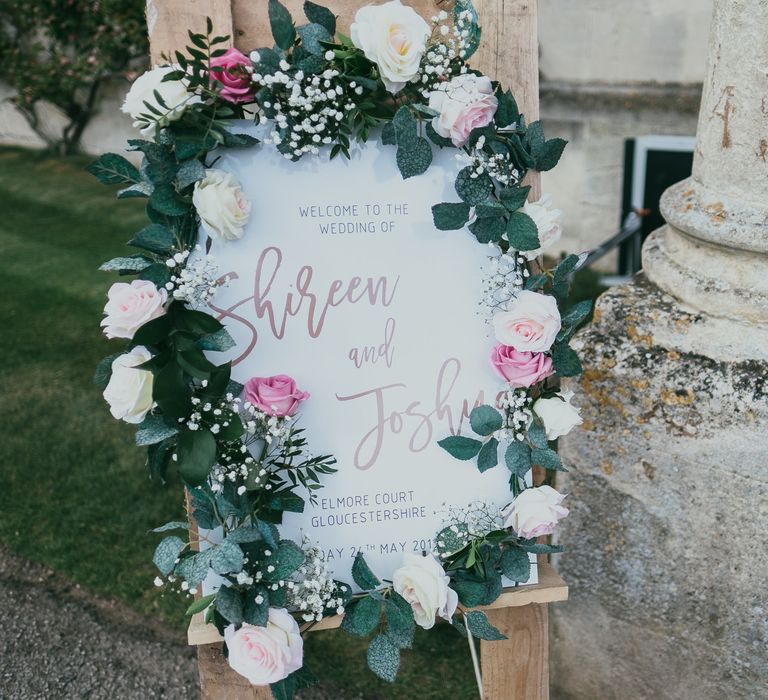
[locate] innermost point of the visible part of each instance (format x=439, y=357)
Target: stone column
x=667, y=557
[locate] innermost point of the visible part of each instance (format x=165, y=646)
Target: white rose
x=424, y=584
x=394, y=37
x=559, y=416
x=266, y=655
x=173, y=93
x=129, y=391
x=220, y=204
x=531, y=322
x=465, y=103
x=535, y=512
x=547, y=222
x=130, y=306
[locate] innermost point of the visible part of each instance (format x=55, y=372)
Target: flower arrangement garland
x=239, y=448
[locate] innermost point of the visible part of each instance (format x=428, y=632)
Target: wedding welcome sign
x=338, y=334
x=348, y=287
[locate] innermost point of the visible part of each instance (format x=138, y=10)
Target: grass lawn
x=76, y=496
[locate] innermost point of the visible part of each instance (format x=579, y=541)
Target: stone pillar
x=667, y=560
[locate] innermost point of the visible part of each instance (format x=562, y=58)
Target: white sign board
x=343, y=282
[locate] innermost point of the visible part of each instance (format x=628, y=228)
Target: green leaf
x=154, y=429
x=269, y=532
x=289, y=501
x=453, y=541
x=542, y=548
x=193, y=569
x=233, y=140
x=134, y=264
x=196, y=321
x=167, y=553
x=548, y=155
x=489, y=455
x=485, y=420
x=472, y=40
x=157, y=273
x=388, y=137
x=155, y=238
x=415, y=158
x=243, y=534
x=400, y=623
x=473, y=591
x=219, y=341
x=140, y=189
x=435, y=138
x=197, y=454
x=227, y=557
x=166, y=200
x=112, y=169
x=573, y=318
x=190, y=171
x=362, y=574
x=311, y=36
x=518, y=458
x=173, y=525
x=480, y=627
x=256, y=613
x=450, y=216
x=473, y=190
x=289, y=557
x=507, y=112
x=514, y=197
x=362, y=617
x=384, y=658
x=200, y=604
x=516, y=564
x=287, y=688
x=565, y=360
x=229, y=604
x=320, y=15
x=490, y=210
x=488, y=230
x=153, y=332
x=161, y=172
x=522, y=233
x=281, y=25
x=461, y=447
x=537, y=433
x=406, y=127
x=547, y=458
x=103, y=371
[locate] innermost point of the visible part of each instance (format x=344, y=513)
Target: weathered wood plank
x=517, y=668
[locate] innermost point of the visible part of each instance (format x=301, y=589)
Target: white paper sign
x=343, y=282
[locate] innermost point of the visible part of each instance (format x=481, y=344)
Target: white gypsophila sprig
x=306, y=109
x=445, y=56
x=194, y=281
x=498, y=166
x=505, y=276
x=517, y=407
x=313, y=590
x=465, y=523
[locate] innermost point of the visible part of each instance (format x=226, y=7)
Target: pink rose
x=464, y=103
x=531, y=322
x=277, y=396
x=535, y=512
x=268, y=654
x=235, y=78
x=520, y=368
x=130, y=306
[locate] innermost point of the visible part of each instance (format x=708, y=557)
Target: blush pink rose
x=268, y=654
x=130, y=306
x=464, y=103
x=535, y=512
x=520, y=368
x=277, y=396
x=531, y=322
x=235, y=77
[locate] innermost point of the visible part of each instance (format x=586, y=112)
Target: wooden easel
x=515, y=669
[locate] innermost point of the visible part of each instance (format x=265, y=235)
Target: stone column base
x=669, y=508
